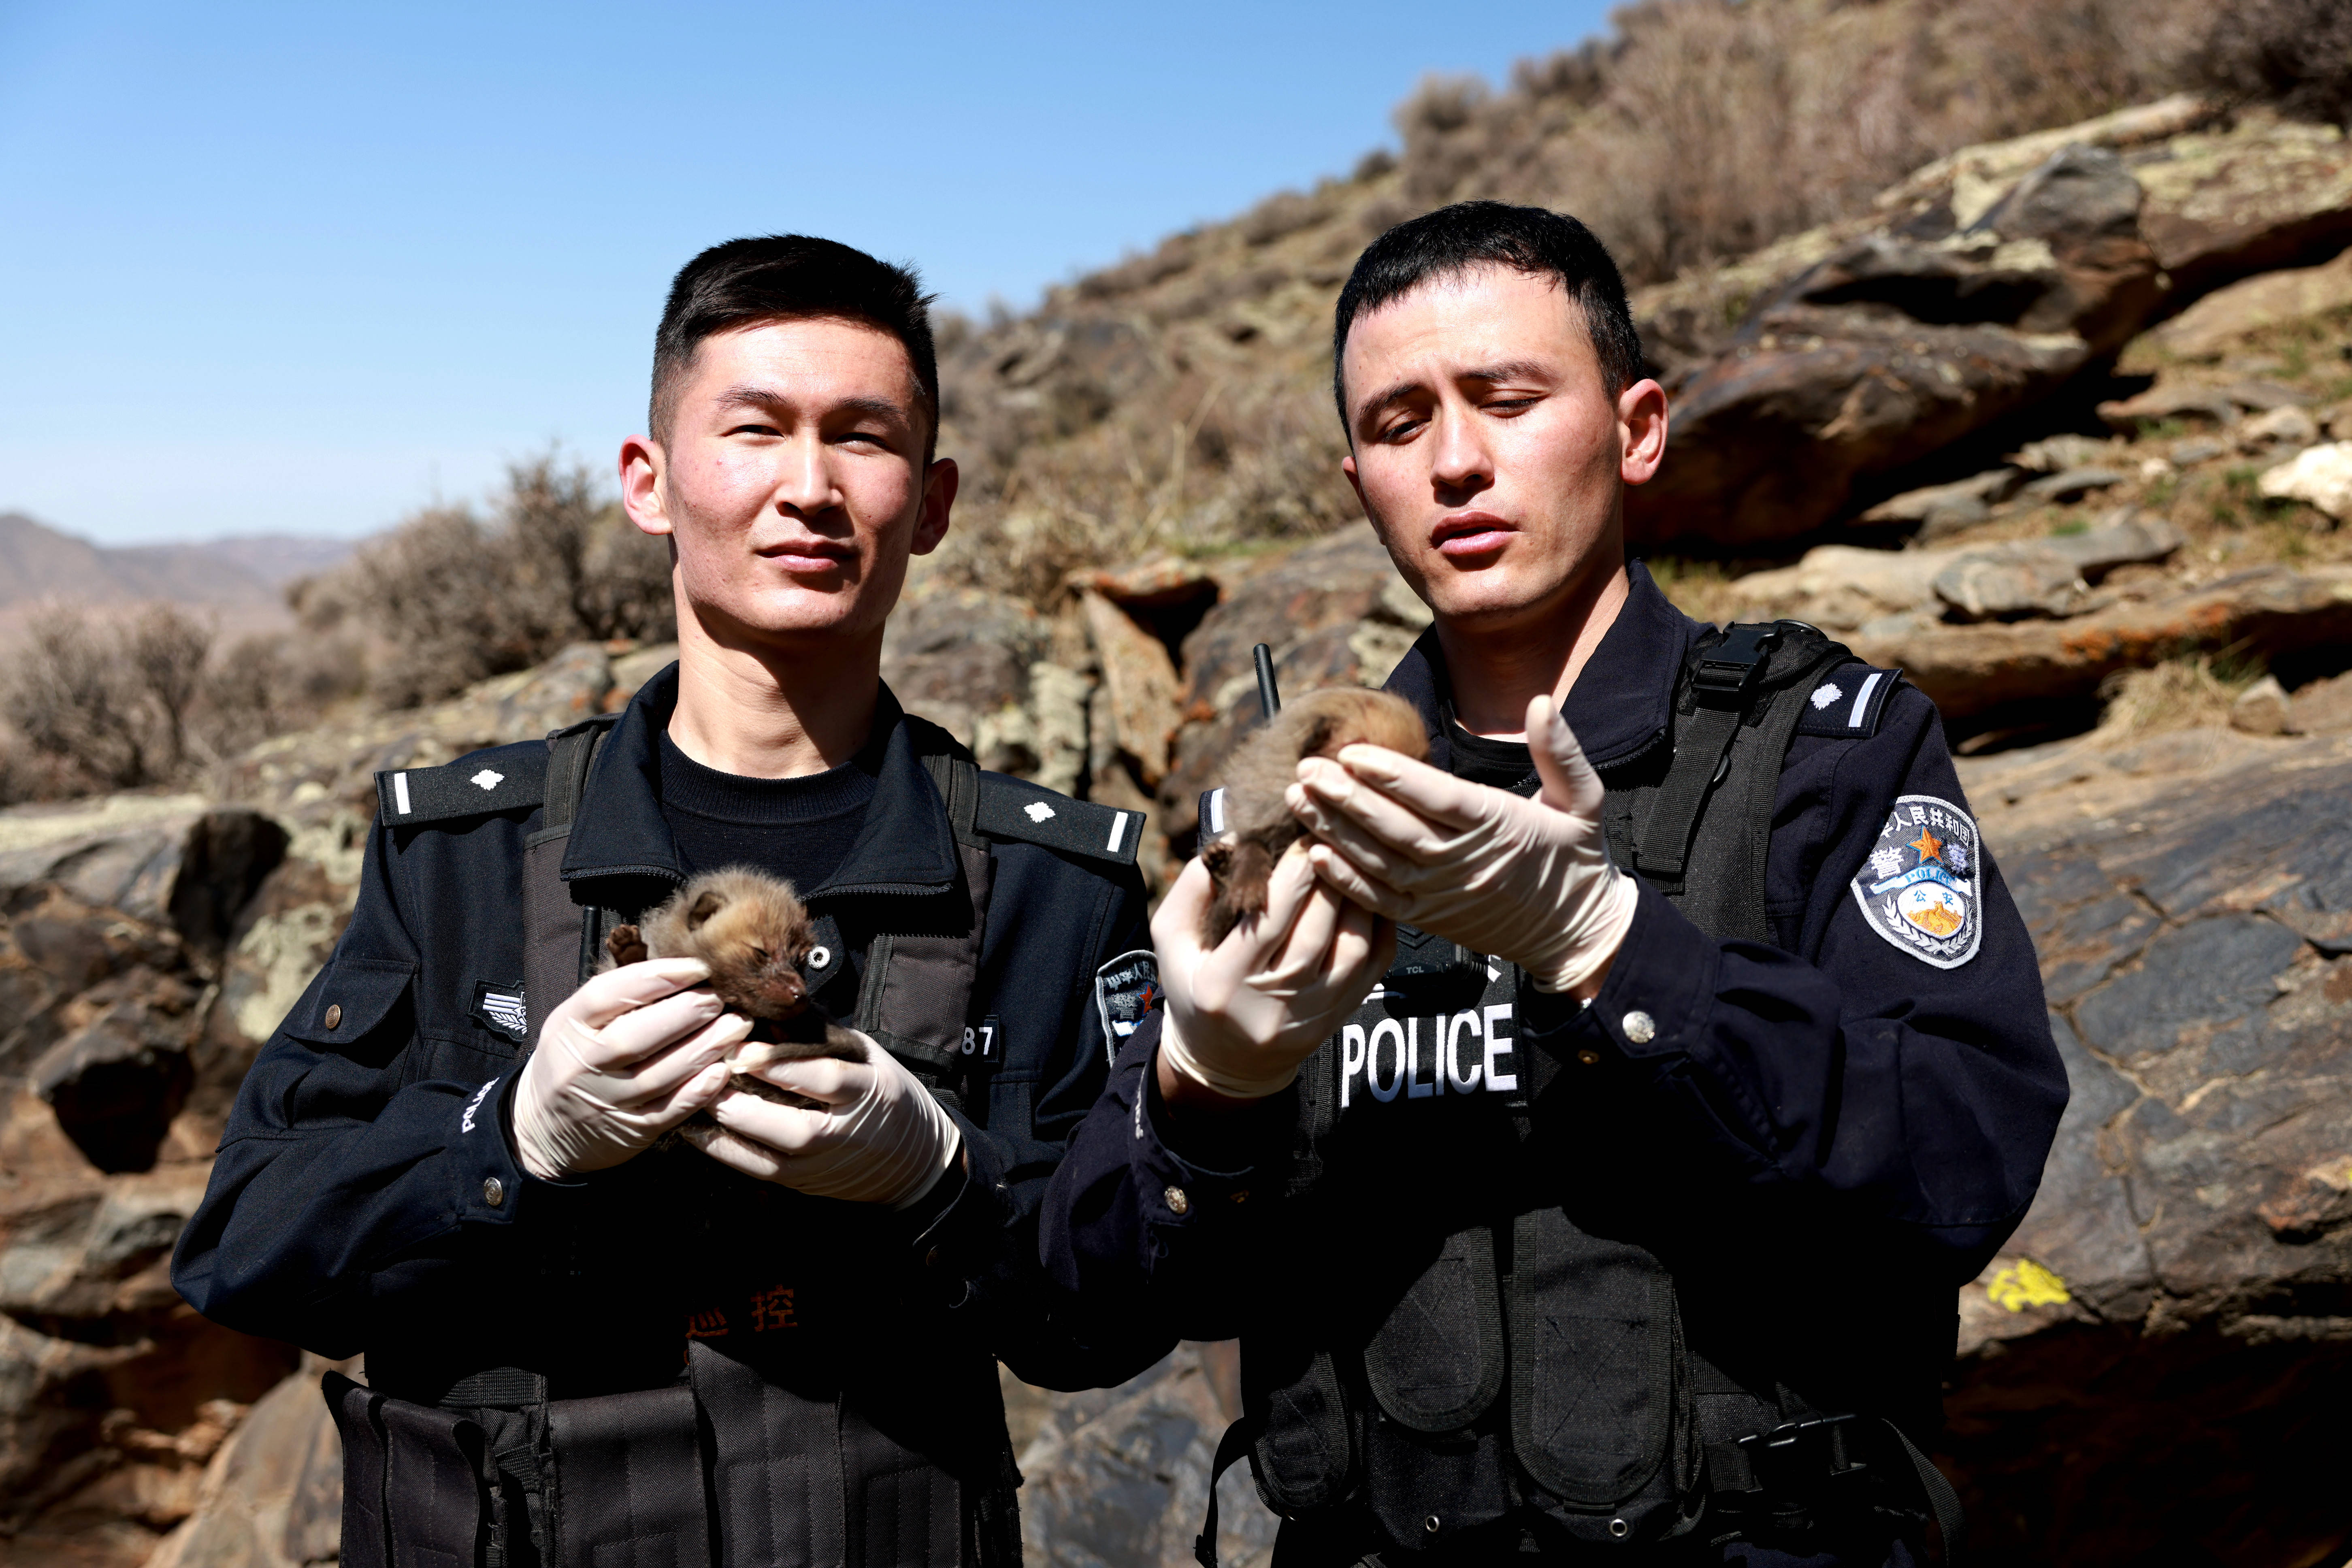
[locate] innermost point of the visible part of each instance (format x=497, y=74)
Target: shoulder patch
x=512, y=778
x=1922, y=887
x=1847, y=703
x=1126, y=990
x=1032, y=813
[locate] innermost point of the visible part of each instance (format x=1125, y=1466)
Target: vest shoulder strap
x=1703, y=837
x=560, y=939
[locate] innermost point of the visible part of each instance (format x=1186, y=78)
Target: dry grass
x=2180, y=694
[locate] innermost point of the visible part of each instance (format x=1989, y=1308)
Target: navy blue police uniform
x=668, y=1349
x=1673, y=1273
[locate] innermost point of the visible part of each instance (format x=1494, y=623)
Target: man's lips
x=1470, y=533
x=806, y=554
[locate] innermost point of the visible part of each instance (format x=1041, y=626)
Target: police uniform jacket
x=367, y=1194
x=1819, y=1136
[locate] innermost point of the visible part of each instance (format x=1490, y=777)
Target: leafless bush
x=455, y=599
x=270, y=683
x=106, y=705
x=2295, y=55
x=97, y=702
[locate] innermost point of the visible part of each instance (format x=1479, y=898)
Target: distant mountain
x=39, y=562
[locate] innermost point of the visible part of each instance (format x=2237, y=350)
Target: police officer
x=1708, y=1053
x=769, y=1340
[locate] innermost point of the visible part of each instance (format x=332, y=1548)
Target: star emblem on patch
x=1921, y=885
x=487, y=781
x=1037, y=810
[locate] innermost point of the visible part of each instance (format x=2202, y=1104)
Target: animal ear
x=708, y=904
x=1317, y=736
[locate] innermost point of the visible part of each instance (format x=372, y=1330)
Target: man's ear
x=643, y=497
x=1640, y=432
x=940, y=482
x=1348, y=467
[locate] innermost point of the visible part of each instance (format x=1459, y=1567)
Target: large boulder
x=2156, y=1366
x=1968, y=303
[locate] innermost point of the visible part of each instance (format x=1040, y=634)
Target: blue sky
x=304, y=268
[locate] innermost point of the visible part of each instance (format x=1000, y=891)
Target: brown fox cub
x=754, y=932
x=1258, y=826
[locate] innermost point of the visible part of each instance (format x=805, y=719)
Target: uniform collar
x=904, y=846
x=1623, y=702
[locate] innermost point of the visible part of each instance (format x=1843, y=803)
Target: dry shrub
x=2295, y=55
x=2179, y=694
x=106, y=704
x=101, y=703
x=455, y=598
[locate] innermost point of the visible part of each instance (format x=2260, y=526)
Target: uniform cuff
x=1655, y=1000
x=1193, y=1165
x=488, y=1172
x=957, y=1224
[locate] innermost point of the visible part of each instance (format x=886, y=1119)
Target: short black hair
x=783, y=278
x=1533, y=240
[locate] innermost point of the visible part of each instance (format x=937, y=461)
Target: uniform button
x=1640, y=1027
x=932, y=1259
x=494, y=1191
x=1240, y=1196
x=334, y=1014
x=1177, y=1202
x=1589, y=1057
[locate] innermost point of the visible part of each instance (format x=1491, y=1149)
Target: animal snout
x=786, y=992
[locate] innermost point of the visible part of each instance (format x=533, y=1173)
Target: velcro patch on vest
x=1847, y=703
x=1032, y=813
x=500, y=1010
x=470, y=788
x=1922, y=886
x=1126, y=990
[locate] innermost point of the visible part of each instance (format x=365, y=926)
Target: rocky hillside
x=2057, y=424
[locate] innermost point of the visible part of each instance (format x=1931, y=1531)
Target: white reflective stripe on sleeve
x=1861, y=700
x=400, y=792
x=1118, y=830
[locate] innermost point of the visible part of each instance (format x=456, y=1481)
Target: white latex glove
x=1242, y=1017
x=1529, y=880
x=879, y=1139
x=623, y=1059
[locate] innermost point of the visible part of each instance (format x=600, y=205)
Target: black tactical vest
x=727, y=1461
x=1503, y=1317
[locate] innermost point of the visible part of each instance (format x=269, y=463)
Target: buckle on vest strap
x=1800, y=1451
x=1729, y=670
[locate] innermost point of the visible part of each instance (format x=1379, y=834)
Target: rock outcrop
x=2153, y=1366
x=1965, y=306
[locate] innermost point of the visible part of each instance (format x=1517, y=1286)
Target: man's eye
x=755, y=430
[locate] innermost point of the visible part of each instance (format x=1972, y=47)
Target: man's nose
x=1460, y=464
x=804, y=481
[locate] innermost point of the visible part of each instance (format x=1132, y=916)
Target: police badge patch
x=1126, y=990
x=1922, y=887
